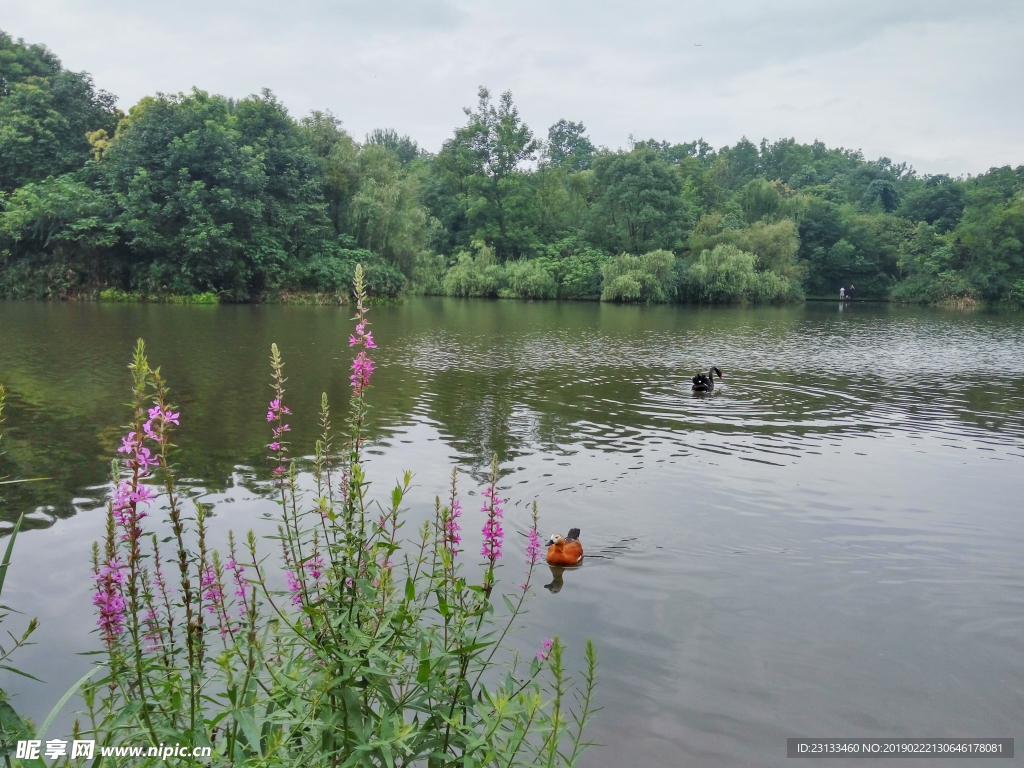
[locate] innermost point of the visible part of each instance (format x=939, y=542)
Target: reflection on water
x=829, y=544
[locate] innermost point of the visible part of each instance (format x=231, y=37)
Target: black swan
x=702, y=383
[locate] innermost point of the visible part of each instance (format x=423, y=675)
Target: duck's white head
x=554, y=538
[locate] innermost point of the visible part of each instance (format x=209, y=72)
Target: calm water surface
x=832, y=545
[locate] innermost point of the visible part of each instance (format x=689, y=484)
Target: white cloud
x=933, y=82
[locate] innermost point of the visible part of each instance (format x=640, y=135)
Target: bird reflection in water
x=556, y=577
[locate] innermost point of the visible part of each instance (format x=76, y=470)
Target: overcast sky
x=936, y=83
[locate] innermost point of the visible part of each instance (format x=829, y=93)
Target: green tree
x=58, y=234
x=215, y=196
x=386, y=214
x=45, y=114
x=726, y=274
x=336, y=153
x=647, y=278
x=482, y=171
x=940, y=202
x=404, y=148
x=568, y=147
x=637, y=207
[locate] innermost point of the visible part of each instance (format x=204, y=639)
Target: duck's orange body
x=567, y=551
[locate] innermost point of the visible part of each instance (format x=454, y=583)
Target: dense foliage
x=196, y=193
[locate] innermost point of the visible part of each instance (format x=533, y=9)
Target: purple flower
x=274, y=446
x=276, y=409
x=152, y=622
x=212, y=592
x=362, y=369
x=109, y=598
x=315, y=566
x=238, y=577
x=452, y=529
x=236, y=574
x=145, y=459
x=533, y=548
x=493, y=534
x=295, y=587
x=128, y=444
x=543, y=655
x=362, y=366
x=143, y=495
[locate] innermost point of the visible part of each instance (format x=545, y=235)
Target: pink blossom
x=236, y=574
x=543, y=655
x=295, y=587
x=128, y=444
x=453, y=530
x=171, y=418
x=362, y=369
x=109, y=598
x=276, y=409
x=315, y=566
x=212, y=592
x=533, y=548
x=152, y=622
x=143, y=494
x=493, y=534
x=275, y=446
x=238, y=577
x=145, y=459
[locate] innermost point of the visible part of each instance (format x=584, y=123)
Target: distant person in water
x=842, y=293
x=849, y=293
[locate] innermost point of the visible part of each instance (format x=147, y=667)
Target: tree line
x=198, y=195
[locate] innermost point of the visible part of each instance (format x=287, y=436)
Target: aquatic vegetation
x=359, y=649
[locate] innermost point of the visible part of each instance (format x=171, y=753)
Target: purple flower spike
x=493, y=533
x=533, y=548
x=453, y=529
x=109, y=598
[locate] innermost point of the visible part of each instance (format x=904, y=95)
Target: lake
x=831, y=544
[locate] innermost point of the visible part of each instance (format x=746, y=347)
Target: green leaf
x=12, y=728
x=10, y=549
x=19, y=672
x=245, y=719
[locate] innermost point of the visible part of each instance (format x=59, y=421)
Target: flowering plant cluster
x=362, y=649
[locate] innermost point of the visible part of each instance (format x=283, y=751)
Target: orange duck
x=567, y=551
